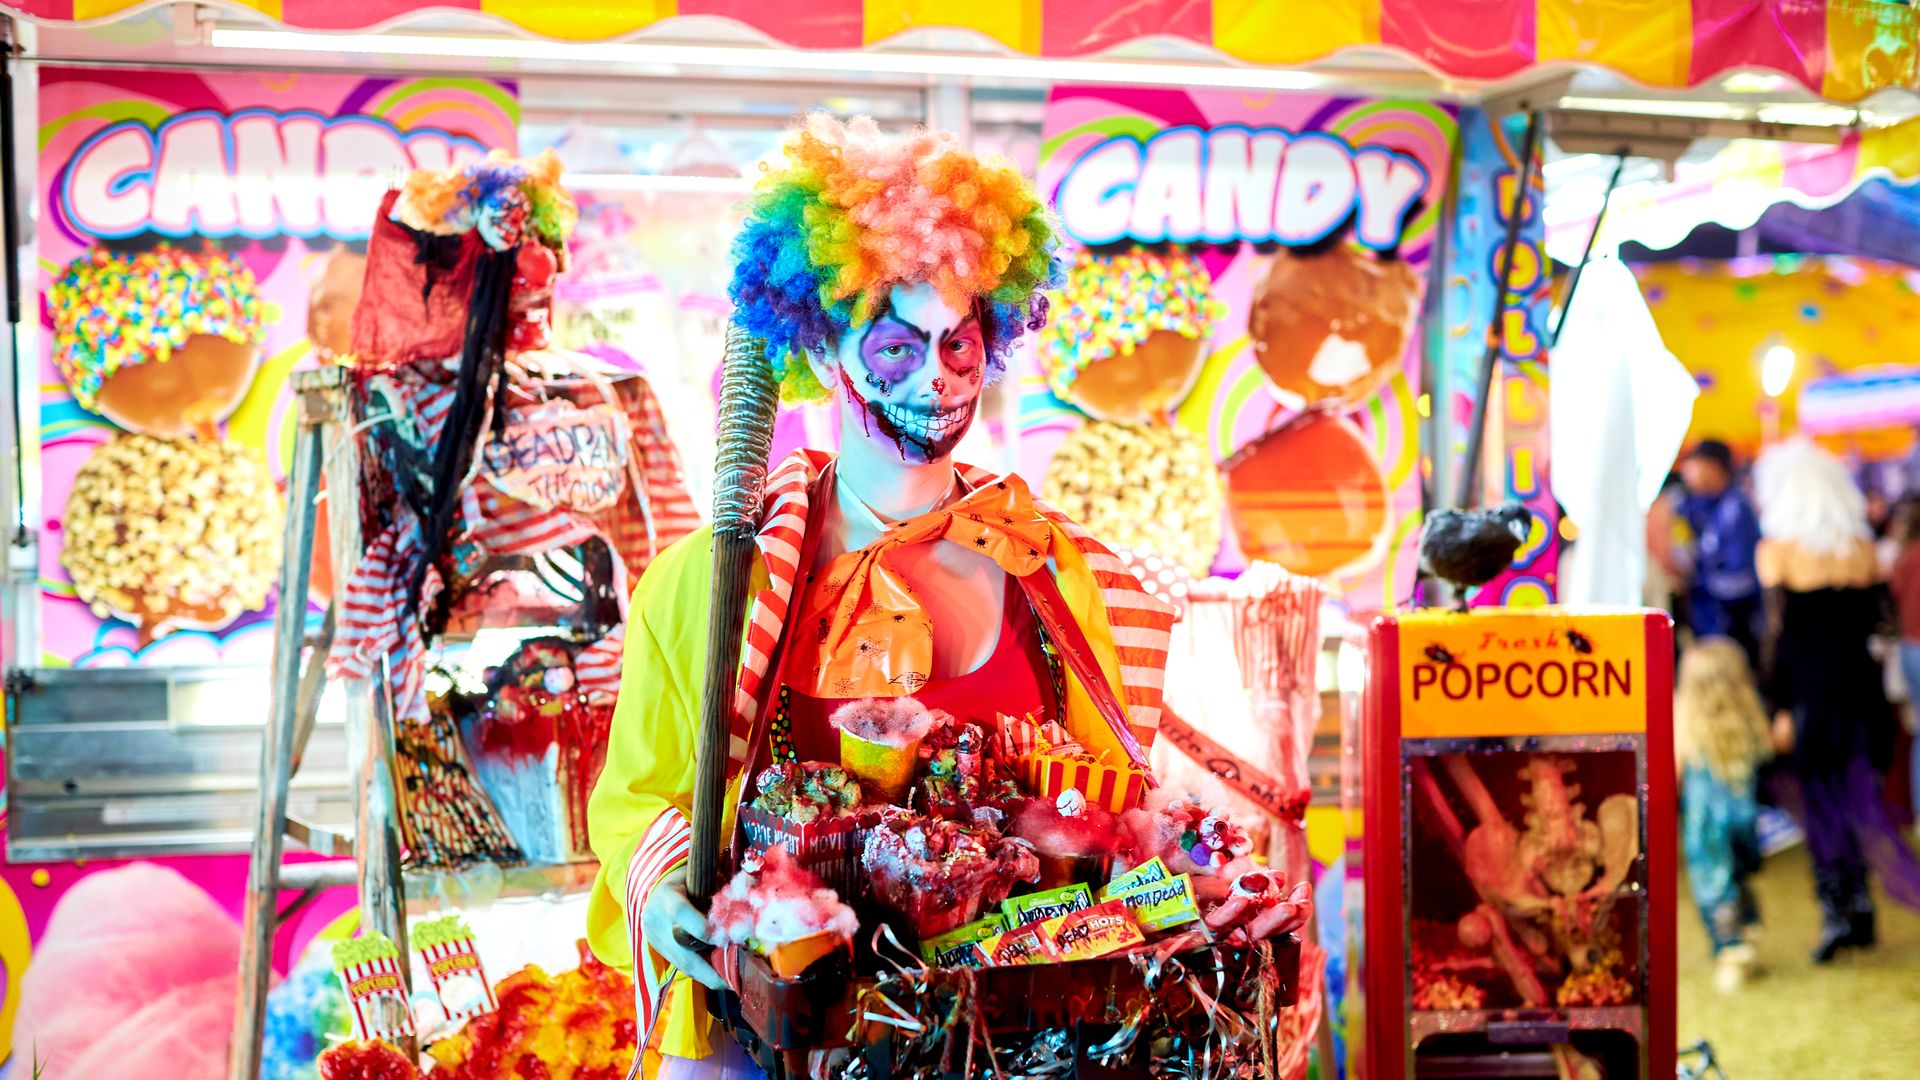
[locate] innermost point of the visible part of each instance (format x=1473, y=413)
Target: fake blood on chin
x=927, y=434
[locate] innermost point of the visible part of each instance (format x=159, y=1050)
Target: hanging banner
x=201, y=236
x=1517, y=445
x=1232, y=371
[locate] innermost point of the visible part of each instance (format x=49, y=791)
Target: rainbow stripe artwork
x=1314, y=219
x=177, y=205
x=1518, y=464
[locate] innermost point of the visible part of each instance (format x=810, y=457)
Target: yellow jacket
x=637, y=816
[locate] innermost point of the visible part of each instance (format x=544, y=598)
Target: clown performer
x=892, y=276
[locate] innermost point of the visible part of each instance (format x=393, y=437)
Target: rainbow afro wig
x=854, y=214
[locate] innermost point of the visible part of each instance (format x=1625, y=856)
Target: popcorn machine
x=1512, y=774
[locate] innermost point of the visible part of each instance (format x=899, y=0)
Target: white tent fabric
x=1621, y=404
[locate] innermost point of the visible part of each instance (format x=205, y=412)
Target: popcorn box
x=829, y=848
x=1046, y=775
x=446, y=948
x=369, y=968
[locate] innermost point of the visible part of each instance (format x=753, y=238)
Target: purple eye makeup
x=893, y=349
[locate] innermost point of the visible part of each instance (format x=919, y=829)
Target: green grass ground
x=1858, y=1017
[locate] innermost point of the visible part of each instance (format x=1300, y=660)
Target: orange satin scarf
x=862, y=631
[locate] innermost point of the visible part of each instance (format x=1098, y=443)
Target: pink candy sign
x=198, y=235
x=1289, y=238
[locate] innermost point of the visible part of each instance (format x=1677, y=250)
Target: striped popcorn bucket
x=377, y=998
x=458, y=979
x=1117, y=788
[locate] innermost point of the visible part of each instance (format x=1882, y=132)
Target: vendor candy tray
x=817, y=1010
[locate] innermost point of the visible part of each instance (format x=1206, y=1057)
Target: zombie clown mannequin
x=892, y=276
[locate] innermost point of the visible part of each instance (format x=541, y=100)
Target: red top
x=1014, y=680
x=1905, y=586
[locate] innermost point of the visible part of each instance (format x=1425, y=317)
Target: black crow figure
x=1469, y=548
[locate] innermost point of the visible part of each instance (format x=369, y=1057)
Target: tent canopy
x=1732, y=188
x=1843, y=50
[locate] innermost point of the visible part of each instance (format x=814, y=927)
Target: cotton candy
x=133, y=977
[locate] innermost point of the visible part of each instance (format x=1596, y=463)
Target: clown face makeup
x=912, y=377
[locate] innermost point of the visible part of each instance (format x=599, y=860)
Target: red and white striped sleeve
x=663, y=848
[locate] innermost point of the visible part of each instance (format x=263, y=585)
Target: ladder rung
x=317, y=874
x=318, y=839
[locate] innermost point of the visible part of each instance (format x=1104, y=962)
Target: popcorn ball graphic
x=172, y=534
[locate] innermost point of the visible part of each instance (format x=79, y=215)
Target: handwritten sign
x=1279, y=801
x=1541, y=672
x=561, y=455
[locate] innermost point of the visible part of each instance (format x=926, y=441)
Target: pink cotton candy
x=896, y=722
x=780, y=903
x=120, y=944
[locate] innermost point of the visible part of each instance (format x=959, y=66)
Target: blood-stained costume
x=830, y=242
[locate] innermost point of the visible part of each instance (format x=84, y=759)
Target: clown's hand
x=1285, y=917
x=676, y=930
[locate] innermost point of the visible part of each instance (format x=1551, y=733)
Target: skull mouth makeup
x=921, y=434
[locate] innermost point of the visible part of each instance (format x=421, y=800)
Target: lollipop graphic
x=162, y=342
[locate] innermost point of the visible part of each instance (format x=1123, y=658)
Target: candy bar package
x=1147, y=873
x=447, y=951
x=956, y=949
x=1158, y=905
x=1091, y=932
x=376, y=991
x=1026, y=945
x=1035, y=907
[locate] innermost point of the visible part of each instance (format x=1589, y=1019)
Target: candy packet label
x=1040, y=906
x=1091, y=932
x=1027, y=945
x=955, y=948
x=1160, y=905
x=1146, y=873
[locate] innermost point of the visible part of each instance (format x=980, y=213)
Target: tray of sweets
x=820, y=1010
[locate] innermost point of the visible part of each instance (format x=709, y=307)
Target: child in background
x=1720, y=739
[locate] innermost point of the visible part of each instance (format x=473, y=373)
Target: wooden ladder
x=325, y=442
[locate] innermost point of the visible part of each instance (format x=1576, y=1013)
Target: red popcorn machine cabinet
x=1515, y=900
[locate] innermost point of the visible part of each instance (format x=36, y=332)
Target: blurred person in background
x=1668, y=543
x=1720, y=739
x=1818, y=563
x=1904, y=582
x=1723, y=593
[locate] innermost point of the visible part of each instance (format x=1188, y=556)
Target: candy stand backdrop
x=262, y=182
x=257, y=177
x=1241, y=203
